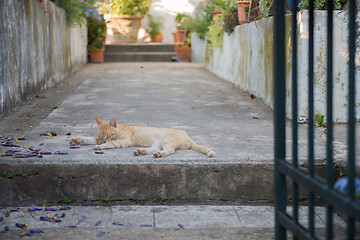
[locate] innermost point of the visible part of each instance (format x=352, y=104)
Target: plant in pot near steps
x=123, y=19
x=183, y=45
x=180, y=35
x=154, y=26
x=96, y=38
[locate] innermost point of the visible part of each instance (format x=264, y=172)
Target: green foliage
x=96, y=32
x=231, y=20
x=320, y=4
x=5, y=174
x=221, y=5
x=55, y=106
x=73, y=11
x=215, y=33
x=319, y=118
x=155, y=24
x=108, y=201
x=128, y=7
x=66, y=200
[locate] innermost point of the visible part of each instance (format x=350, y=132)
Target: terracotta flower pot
x=214, y=14
x=157, y=38
x=96, y=56
x=179, y=36
x=243, y=10
x=183, y=54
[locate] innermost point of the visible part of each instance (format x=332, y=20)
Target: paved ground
x=184, y=96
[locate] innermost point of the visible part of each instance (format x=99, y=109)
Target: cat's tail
x=196, y=147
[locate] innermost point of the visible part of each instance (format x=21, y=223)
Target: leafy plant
x=221, y=5
x=55, y=106
x=231, y=20
x=155, y=24
x=128, y=7
x=215, y=33
x=108, y=201
x=320, y=4
x=96, y=32
x=73, y=11
x=5, y=174
x=319, y=118
x=66, y=200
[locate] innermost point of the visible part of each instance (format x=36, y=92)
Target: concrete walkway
x=173, y=95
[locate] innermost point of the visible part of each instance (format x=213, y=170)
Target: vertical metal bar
x=351, y=118
x=329, y=125
x=279, y=113
x=311, y=196
x=295, y=186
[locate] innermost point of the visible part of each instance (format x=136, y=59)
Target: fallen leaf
x=233, y=101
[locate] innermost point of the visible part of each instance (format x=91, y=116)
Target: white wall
x=246, y=59
x=167, y=10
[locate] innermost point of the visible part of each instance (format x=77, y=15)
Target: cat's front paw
x=76, y=141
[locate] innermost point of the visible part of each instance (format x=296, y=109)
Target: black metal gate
x=288, y=170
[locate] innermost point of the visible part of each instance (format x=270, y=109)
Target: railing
x=285, y=168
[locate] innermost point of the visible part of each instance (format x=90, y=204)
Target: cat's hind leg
x=155, y=147
x=168, y=149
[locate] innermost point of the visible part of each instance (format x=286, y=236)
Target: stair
x=140, y=52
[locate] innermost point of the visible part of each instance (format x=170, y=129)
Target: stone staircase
x=140, y=52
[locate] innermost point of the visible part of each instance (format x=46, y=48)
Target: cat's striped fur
x=160, y=142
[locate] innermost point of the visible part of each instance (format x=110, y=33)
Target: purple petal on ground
x=82, y=219
x=75, y=146
x=182, y=226
x=51, y=209
x=118, y=224
x=100, y=234
x=31, y=209
x=65, y=208
x=99, y=152
x=98, y=223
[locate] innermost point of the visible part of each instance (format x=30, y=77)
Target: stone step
x=160, y=221
x=140, y=47
x=139, y=56
x=139, y=52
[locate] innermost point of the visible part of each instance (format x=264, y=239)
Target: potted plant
x=154, y=26
x=180, y=34
x=220, y=6
x=96, y=33
x=243, y=10
x=183, y=43
x=123, y=19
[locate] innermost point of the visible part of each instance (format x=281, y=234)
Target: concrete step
x=158, y=222
x=139, y=52
x=140, y=47
x=139, y=56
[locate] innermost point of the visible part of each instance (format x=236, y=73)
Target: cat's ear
x=113, y=122
x=98, y=120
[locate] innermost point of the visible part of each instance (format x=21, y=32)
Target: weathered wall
x=246, y=59
x=37, y=49
x=199, y=51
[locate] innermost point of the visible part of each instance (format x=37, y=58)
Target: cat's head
x=107, y=131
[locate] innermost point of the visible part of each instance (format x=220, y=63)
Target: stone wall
x=37, y=49
x=246, y=59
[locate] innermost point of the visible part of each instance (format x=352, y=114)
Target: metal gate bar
x=346, y=203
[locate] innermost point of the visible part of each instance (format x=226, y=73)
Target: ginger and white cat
x=160, y=142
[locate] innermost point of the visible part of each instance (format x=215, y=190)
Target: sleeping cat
x=160, y=142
